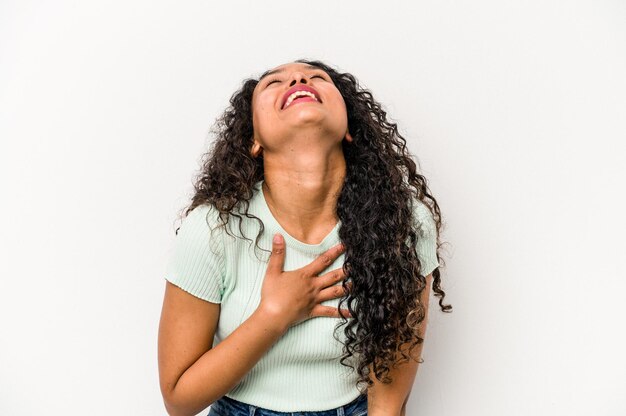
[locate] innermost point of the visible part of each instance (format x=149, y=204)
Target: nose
x=296, y=77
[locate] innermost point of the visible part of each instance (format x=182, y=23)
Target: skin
x=193, y=374
x=391, y=399
x=304, y=172
x=304, y=163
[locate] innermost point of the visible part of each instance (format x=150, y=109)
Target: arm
x=192, y=373
x=391, y=399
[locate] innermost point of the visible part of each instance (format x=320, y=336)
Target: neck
x=302, y=191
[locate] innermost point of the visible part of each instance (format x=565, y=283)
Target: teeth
x=299, y=94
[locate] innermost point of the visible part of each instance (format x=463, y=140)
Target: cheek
x=263, y=107
x=263, y=116
x=336, y=100
x=338, y=106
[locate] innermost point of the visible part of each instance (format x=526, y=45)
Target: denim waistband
x=227, y=406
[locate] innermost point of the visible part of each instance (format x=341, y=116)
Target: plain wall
x=516, y=111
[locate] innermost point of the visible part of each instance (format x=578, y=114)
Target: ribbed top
x=301, y=371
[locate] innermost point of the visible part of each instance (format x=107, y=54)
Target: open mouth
x=300, y=99
x=300, y=94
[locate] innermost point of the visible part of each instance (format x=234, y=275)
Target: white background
x=516, y=111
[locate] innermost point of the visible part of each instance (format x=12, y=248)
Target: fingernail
x=278, y=238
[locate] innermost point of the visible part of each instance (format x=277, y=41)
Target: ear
x=256, y=149
x=348, y=137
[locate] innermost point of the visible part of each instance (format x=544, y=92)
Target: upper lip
x=300, y=87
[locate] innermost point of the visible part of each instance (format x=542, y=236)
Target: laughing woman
x=300, y=276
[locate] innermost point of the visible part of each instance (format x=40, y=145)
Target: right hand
x=295, y=296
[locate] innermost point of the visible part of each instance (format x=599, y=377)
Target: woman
x=345, y=234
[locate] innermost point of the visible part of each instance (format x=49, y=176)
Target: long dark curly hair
x=377, y=227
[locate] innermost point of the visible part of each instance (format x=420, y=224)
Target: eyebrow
x=276, y=71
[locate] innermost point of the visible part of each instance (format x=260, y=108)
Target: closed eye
x=271, y=81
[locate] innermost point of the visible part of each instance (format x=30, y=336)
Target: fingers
x=333, y=292
x=277, y=258
x=331, y=278
x=324, y=260
x=330, y=312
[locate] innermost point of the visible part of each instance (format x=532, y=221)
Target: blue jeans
x=227, y=406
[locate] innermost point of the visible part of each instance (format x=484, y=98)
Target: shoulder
x=201, y=227
x=426, y=229
x=202, y=216
x=205, y=211
x=423, y=217
x=197, y=263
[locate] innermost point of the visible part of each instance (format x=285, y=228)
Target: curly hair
x=375, y=209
